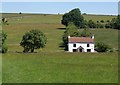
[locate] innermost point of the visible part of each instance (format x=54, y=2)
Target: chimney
x=69, y=36
x=92, y=36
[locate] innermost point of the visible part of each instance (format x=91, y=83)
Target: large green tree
x=116, y=24
x=33, y=39
x=73, y=16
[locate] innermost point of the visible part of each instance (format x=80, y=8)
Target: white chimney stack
x=69, y=36
x=92, y=37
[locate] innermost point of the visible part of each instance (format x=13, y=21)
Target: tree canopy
x=4, y=37
x=116, y=24
x=86, y=33
x=102, y=47
x=33, y=39
x=73, y=16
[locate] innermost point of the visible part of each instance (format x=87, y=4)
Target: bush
x=97, y=21
x=86, y=33
x=102, y=21
x=99, y=25
x=4, y=48
x=108, y=20
x=20, y=12
x=91, y=24
x=102, y=47
x=108, y=25
x=4, y=21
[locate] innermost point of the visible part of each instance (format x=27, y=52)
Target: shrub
x=99, y=25
x=102, y=47
x=102, y=21
x=86, y=33
x=4, y=21
x=108, y=20
x=108, y=25
x=4, y=48
x=91, y=24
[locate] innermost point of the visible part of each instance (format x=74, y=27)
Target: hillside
x=25, y=22
x=52, y=64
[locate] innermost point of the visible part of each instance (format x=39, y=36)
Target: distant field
x=99, y=17
x=53, y=64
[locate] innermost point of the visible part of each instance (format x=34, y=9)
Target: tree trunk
x=32, y=50
x=26, y=50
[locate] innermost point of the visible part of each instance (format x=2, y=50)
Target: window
x=88, y=45
x=74, y=45
x=74, y=50
x=88, y=50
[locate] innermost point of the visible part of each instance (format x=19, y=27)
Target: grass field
x=52, y=64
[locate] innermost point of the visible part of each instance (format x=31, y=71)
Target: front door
x=80, y=50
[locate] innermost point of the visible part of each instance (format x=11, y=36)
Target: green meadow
x=52, y=64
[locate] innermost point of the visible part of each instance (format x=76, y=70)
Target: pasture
x=52, y=64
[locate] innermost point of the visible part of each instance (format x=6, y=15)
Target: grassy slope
x=52, y=64
x=60, y=67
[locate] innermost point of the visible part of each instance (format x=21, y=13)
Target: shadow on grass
x=25, y=53
x=61, y=28
x=63, y=47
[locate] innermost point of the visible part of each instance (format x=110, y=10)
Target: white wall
x=84, y=45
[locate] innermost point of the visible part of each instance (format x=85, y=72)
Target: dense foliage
x=33, y=39
x=86, y=33
x=73, y=31
x=116, y=24
x=76, y=17
x=4, y=21
x=73, y=16
x=91, y=24
x=4, y=47
x=102, y=47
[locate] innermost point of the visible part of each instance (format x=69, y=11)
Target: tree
x=116, y=24
x=91, y=24
x=108, y=25
x=33, y=39
x=99, y=25
x=102, y=21
x=4, y=37
x=4, y=47
x=102, y=47
x=20, y=12
x=86, y=33
x=73, y=16
x=4, y=21
x=108, y=21
x=72, y=31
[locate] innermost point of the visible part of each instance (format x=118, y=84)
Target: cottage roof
x=80, y=40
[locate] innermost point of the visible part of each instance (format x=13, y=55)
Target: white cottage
x=81, y=44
